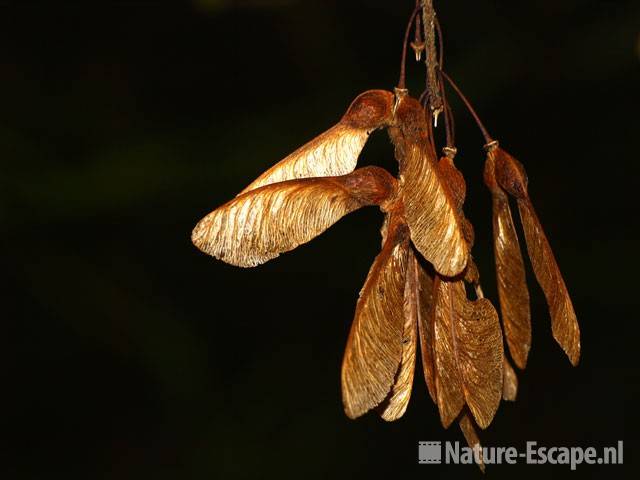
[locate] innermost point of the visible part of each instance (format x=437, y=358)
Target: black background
x=129, y=354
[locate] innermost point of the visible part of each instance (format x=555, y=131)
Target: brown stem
x=431, y=60
x=485, y=134
x=418, y=30
x=403, y=62
x=449, y=127
x=417, y=44
x=452, y=123
x=440, y=44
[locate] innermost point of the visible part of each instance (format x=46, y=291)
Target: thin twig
x=485, y=134
x=417, y=44
x=452, y=123
x=440, y=44
x=448, y=117
x=403, y=62
x=431, y=60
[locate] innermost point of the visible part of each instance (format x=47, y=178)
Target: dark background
x=128, y=354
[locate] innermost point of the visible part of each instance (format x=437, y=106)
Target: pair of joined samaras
x=251, y=229
x=460, y=340
x=505, y=177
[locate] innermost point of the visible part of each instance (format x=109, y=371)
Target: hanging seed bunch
x=415, y=291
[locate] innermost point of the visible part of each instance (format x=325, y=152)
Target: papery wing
x=425, y=312
x=419, y=312
x=469, y=354
x=448, y=385
x=510, y=382
x=481, y=359
x=512, y=284
x=564, y=324
x=374, y=348
x=334, y=152
x=259, y=225
x=435, y=225
x=397, y=401
x=468, y=430
x=454, y=180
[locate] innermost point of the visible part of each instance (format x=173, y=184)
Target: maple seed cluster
x=415, y=291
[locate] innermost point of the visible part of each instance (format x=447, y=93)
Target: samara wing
x=262, y=223
x=374, y=348
x=397, y=401
x=334, y=152
x=468, y=354
x=471, y=436
x=510, y=273
x=511, y=177
x=510, y=382
x=423, y=292
x=435, y=225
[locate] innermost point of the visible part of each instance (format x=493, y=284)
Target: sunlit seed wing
x=334, y=152
x=470, y=435
x=510, y=382
x=259, y=225
x=454, y=180
x=512, y=285
x=397, y=401
x=469, y=354
x=564, y=324
x=448, y=385
x=436, y=228
x=425, y=313
x=374, y=348
x=481, y=358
